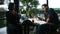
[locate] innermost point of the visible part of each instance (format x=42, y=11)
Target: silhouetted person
x=13, y=26
x=51, y=19
x=27, y=24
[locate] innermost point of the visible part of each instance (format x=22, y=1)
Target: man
x=50, y=15
x=51, y=20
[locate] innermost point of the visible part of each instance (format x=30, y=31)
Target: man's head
x=45, y=7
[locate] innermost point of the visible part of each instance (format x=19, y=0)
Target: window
x=54, y=4
x=41, y=2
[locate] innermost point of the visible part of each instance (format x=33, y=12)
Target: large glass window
x=41, y=2
x=54, y=3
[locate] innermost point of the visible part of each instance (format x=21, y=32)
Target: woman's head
x=11, y=6
x=27, y=22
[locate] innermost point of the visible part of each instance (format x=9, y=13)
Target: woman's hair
x=11, y=6
x=27, y=22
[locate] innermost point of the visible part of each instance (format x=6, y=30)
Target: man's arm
x=46, y=20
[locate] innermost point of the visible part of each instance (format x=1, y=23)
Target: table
x=37, y=21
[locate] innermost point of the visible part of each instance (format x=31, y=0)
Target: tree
x=30, y=4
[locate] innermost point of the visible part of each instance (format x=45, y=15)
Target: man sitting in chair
x=51, y=19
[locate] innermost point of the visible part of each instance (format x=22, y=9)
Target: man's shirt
x=53, y=16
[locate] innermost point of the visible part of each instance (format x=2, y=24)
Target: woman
x=13, y=25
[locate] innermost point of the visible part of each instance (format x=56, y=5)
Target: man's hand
x=43, y=19
x=40, y=18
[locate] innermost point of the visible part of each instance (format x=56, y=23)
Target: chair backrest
x=33, y=30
